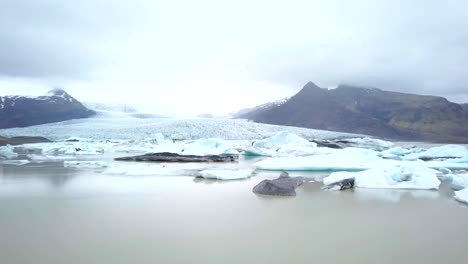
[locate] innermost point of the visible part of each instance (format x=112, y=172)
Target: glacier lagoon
x=70, y=201
x=53, y=214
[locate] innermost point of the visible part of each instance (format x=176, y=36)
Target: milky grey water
x=49, y=214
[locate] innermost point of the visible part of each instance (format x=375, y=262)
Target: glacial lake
x=51, y=214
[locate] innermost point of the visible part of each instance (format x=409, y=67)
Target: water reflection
x=53, y=173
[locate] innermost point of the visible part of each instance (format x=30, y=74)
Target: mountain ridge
x=57, y=105
x=371, y=111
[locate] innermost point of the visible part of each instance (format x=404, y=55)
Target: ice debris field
x=370, y=163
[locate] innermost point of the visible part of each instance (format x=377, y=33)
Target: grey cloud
x=412, y=46
x=53, y=38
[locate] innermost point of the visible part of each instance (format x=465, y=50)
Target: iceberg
x=14, y=162
x=86, y=164
x=78, y=139
x=283, y=144
x=349, y=159
x=7, y=152
x=462, y=196
x=396, y=152
x=457, y=181
x=148, y=170
x=442, y=152
x=390, y=177
x=369, y=143
x=223, y=174
x=201, y=147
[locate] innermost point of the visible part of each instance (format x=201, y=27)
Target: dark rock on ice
x=283, y=186
x=173, y=157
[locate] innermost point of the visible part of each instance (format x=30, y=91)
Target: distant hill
x=369, y=111
x=57, y=105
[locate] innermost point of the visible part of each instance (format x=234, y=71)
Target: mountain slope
x=57, y=105
x=370, y=111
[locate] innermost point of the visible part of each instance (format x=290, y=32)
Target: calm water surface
x=49, y=214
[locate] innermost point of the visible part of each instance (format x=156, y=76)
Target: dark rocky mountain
x=369, y=111
x=465, y=107
x=57, y=105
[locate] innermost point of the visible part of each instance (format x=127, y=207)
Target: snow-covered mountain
x=262, y=107
x=57, y=105
x=369, y=111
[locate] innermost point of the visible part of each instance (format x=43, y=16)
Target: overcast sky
x=212, y=56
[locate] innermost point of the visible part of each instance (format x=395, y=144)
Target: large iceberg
x=224, y=174
x=462, y=196
x=390, y=177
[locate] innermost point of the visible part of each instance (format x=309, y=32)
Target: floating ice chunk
x=337, y=177
x=14, y=162
x=462, y=196
x=7, y=152
x=48, y=158
x=457, y=181
x=86, y=164
x=349, y=159
x=201, y=147
x=78, y=139
x=442, y=152
x=371, y=143
x=223, y=174
x=391, y=177
x=148, y=170
x=281, y=144
x=282, y=139
x=395, y=152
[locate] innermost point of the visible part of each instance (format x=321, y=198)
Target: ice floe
x=462, y=196
x=370, y=143
x=390, y=177
x=456, y=181
x=201, y=147
x=14, y=162
x=7, y=152
x=397, y=152
x=282, y=144
x=148, y=170
x=442, y=152
x=85, y=164
x=349, y=159
x=224, y=174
